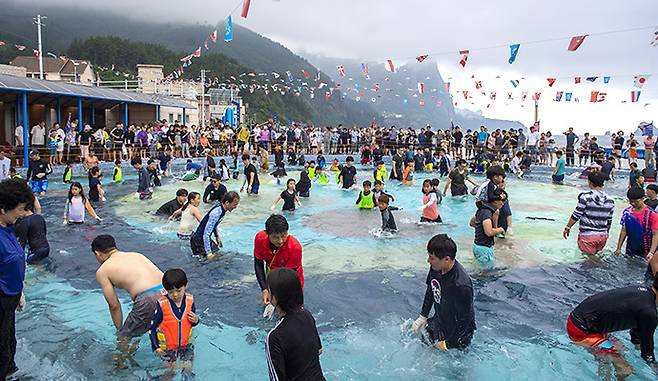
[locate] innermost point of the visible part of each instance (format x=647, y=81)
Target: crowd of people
x=164, y=308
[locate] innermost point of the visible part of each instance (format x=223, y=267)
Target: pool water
x=363, y=289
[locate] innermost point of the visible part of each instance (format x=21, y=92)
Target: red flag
x=245, y=8
x=465, y=94
x=536, y=96
x=390, y=66
x=341, y=70
x=213, y=36
x=421, y=57
x=464, y=54
x=635, y=96
x=478, y=84
x=594, y=96
x=421, y=87
x=205, y=44
x=575, y=42
x=36, y=52
x=551, y=81
x=306, y=74
x=197, y=52
x=577, y=80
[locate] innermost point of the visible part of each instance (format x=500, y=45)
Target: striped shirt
x=594, y=211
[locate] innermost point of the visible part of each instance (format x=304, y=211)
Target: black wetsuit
x=168, y=208
x=458, y=182
x=388, y=222
x=212, y=194
x=31, y=232
x=304, y=184
x=348, y=174
x=36, y=167
x=293, y=347
x=452, y=296
x=632, y=307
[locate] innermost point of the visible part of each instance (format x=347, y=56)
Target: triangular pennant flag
x=514, y=49
x=51, y=54
x=465, y=94
x=567, y=97
x=551, y=81
x=317, y=77
x=478, y=84
x=2, y=43
x=640, y=80
x=228, y=34
x=524, y=95
x=197, y=52
x=341, y=70
x=36, y=52
x=654, y=38
x=205, y=44
x=245, y=8
x=558, y=96
x=536, y=96
x=390, y=66
x=601, y=97
x=306, y=74
x=606, y=79
x=213, y=35
x=635, y=96
x=575, y=42
x=20, y=47
x=464, y=54
x=514, y=82
x=421, y=57
x=591, y=79
x=447, y=87
x=492, y=95
x=421, y=87
x=364, y=69
x=290, y=78
x=577, y=80
x=594, y=96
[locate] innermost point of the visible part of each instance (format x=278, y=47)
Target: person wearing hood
x=594, y=213
x=486, y=227
x=304, y=183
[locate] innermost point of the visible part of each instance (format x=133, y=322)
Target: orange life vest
x=432, y=211
x=173, y=333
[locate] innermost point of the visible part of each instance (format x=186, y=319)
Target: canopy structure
x=30, y=95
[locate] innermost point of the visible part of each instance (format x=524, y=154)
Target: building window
x=171, y=118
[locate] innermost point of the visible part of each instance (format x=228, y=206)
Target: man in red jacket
x=274, y=248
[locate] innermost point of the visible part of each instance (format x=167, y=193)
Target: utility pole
x=39, y=24
x=203, y=97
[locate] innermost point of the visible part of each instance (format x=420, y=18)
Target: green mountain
x=107, y=39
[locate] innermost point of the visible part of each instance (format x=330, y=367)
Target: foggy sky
x=380, y=29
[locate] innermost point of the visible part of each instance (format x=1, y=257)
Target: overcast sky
x=381, y=29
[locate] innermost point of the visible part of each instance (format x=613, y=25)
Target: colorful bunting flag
x=597, y=96
x=289, y=74
x=205, y=44
x=478, y=84
x=228, y=34
x=20, y=47
x=654, y=40
x=421, y=87
x=446, y=85
x=551, y=81
x=492, y=95
x=465, y=93
x=591, y=79
x=515, y=83
x=514, y=49
x=640, y=80
x=213, y=35
x=510, y=96
x=245, y=8
x=606, y=79
x=464, y=54
x=197, y=52
x=524, y=95
x=421, y=57
x=317, y=77
x=36, y=52
x=576, y=80
x=390, y=66
x=558, y=96
x=635, y=96
x=341, y=70
x=51, y=54
x=2, y=43
x=575, y=42
x=306, y=74
x=536, y=96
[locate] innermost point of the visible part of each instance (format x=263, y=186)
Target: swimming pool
x=362, y=290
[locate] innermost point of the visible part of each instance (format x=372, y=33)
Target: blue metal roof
x=13, y=83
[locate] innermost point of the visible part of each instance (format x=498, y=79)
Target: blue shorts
x=558, y=178
x=254, y=189
x=39, y=186
x=485, y=256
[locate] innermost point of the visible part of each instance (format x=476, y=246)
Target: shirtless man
x=91, y=161
x=134, y=273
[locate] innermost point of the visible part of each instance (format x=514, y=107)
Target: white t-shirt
x=532, y=138
x=18, y=134
x=5, y=164
x=38, y=135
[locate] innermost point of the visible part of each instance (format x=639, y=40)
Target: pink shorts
x=592, y=244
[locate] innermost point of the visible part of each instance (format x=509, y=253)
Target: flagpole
x=536, y=111
x=39, y=25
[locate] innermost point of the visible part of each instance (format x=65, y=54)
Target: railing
x=180, y=89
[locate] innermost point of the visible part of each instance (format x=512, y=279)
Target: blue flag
x=567, y=97
x=513, y=50
x=606, y=79
x=228, y=36
x=290, y=78
x=591, y=79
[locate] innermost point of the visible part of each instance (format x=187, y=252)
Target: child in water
x=171, y=326
x=408, y=174
x=430, y=208
x=68, y=173
x=74, y=211
x=379, y=190
x=188, y=214
x=366, y=198
x=388, y=222
x=322, y=176
x=117, y=173
x=486, y=227
x=96, y=192
x=289, y=197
